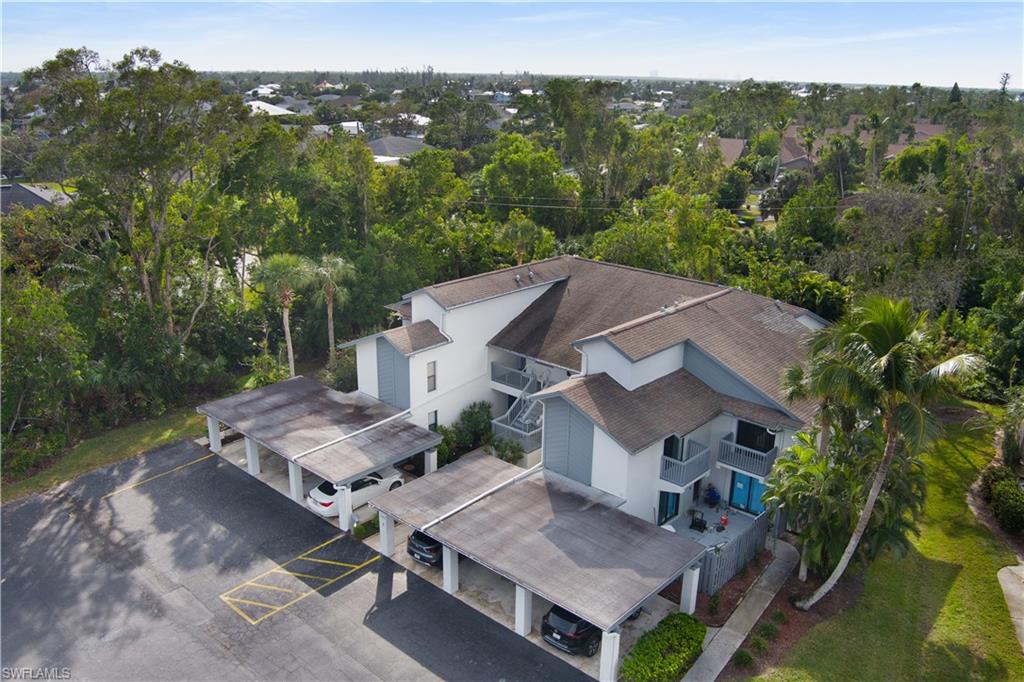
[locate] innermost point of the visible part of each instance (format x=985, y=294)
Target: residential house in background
x=391, y=149
x=29, y=196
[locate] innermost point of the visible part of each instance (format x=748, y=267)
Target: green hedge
x=667, y=651
x=1008, y=506
x=993, y=475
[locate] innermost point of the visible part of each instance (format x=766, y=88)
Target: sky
x=934, y=43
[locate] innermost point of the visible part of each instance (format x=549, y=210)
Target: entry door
x=746, y=493
x=668, y=507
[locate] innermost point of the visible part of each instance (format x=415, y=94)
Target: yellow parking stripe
x=317, y=589
x=298, y=575
x=239, y=611
x=326, y=561
x=153, y=478
x=270, y=587
x=250, y=601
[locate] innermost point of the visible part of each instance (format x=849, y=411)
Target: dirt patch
x=793, y=623
x=729, y=596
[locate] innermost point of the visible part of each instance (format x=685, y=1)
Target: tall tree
x=329, y=276
x=282, y=276
x=876, y=359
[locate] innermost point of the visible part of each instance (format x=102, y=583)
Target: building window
x=432, y=420
x=668, y=507
x=431, y=376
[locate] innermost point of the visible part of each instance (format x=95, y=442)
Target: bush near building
x=666, y=652
x=1008, y=505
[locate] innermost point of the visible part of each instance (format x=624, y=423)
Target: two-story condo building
x=657, y=398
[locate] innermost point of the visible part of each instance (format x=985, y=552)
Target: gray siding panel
x=581, y=447
x=568, y=440
x=556, y=435
x=711, y=372
x=392, y=375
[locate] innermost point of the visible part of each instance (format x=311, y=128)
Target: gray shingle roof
x=676, y=403
x=591, y=297
x=392, y=145
x=412, y=338
x=755, y=337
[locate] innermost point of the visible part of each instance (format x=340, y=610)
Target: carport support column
x=252, y=456
x=387, y=534
x=450, y=559
x=430, y=461
x=213, y=428
x=524, y=611
x=295, y=481
x=343, y=498
x=688, y=598
x=609, y=657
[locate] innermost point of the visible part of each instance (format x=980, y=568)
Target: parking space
x=138, y=571
x=494, y=596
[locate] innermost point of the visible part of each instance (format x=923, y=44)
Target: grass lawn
x=111, y=446
x=936, y=614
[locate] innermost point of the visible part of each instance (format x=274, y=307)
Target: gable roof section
x=754, y=337
x=731, y=148
x=486, y=285
x=393, y=145
x=591, y=297
x=676, y=403
x=412, y=338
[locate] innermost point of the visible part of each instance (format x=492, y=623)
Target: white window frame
x=431, y=376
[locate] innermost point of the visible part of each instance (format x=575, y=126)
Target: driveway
x=178, y=565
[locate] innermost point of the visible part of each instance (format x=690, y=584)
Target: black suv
x=424, y=549
x=569, y=632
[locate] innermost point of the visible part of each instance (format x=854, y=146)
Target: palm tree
x=329, y=277
x=282, y=275
x=875, y=359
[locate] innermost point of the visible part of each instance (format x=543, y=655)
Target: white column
x=387, y=534
x=524, y=611
x=295, y=481
x=343, y=499
x=688, y=598
x=430, y=461
x=213, y=428
x=252, y=456
x=450, y=559
x=609, y=657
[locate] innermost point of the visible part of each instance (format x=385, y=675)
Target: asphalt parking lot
x=178, y=565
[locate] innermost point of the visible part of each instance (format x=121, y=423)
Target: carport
x=340, y=437
x=550, y=536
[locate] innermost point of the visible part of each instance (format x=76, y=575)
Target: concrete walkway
x=723, y=645
x=1011, y=579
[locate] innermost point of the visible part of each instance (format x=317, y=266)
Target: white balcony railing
x=744, y=458
x=685, y=472
x=507, y=376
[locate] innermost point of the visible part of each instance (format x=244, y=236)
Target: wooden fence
x=721, y=563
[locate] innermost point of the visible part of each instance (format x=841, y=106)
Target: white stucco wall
x=642, y=483
x=601, y=356
x=463, y=366
x=366, y=366
x=426, y=308
x=610, y=465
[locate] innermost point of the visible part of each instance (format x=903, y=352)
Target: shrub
x=367, y=528
x=446, y=448
x=714, y=603
x=666, y=652
x=1012, y=453
x=473, y=427
x=758, y=644
x=742, y=658
x=508, y=450
x=992, y=476
x=266, y=370
x=779, y=616
x=29, y=448
x=768, y=630
x=1008, y=506
x=342, y=375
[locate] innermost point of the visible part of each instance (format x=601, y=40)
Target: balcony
x=684, y=472
x=745, y=459
x=507, y=376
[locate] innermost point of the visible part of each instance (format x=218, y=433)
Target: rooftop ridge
x=440, y=285
x=658, y=314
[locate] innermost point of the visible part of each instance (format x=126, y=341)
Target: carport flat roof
x=294, y=416
x=555, y=539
